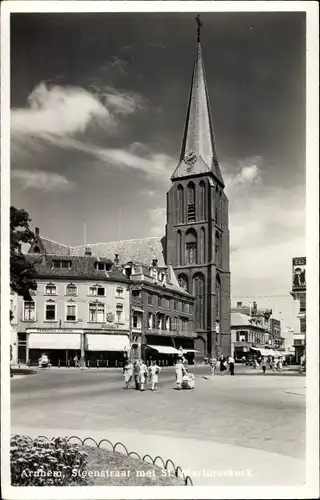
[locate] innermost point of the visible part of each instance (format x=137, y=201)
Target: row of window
x=72, y=290
x=196, y=204
x=67, y=264
x=166, y=303
x=244, y=336
x=97, y=312
x=163, y=322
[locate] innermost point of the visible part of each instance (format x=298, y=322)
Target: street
x=248, y=411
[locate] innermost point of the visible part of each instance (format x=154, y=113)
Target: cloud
x=59, y=111
x=41, y=180
x=122, y=103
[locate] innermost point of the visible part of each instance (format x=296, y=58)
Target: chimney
x=154, y=262
x=116, y=259
x=87, y=251
x=37, y=231
x=239, y=304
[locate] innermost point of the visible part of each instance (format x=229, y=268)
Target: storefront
x=165, y=355
x=101, y=348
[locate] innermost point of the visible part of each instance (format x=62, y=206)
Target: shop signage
x=52, y=330
x=299, y=273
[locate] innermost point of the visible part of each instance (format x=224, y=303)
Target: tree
x=22, y=272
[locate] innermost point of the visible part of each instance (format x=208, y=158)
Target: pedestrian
x=223, y=364
x=143, y=373
x=213, y=365
x=264, y=365
x=243, y=360
x=128, y=372
x=273, y=365
x=76, y=361
x=231, y=365
x=136, y=372
x=280, y=363
x=154, y=371
x=180, y=372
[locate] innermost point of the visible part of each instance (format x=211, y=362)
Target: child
x=154, y=375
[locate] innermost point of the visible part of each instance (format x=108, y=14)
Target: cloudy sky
x=98, y=105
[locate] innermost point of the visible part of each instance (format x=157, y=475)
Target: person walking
x=223, y=364
x=154, y=371
x=128, y=372
x=76, y=361
x=136, y=371
x=231, y=365
x=264, y=365
x=180, y=372
x=273, y=365
x=143, y=373
x=213, y=365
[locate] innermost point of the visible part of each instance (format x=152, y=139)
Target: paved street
x=259, y=418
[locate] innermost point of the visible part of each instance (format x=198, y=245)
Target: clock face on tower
x=190, y=158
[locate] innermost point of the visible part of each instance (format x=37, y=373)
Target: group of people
x=148, y=374
x=275, y=364
x=225, y=363
x=141, y=374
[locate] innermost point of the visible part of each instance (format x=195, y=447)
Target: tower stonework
x=197, y=229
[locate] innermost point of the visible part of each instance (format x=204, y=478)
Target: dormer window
x=51, y=289
x=102, y=266
x=61, y=264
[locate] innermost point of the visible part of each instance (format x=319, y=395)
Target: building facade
x=298, y=292
x=13, y=329
x=246, y=335
x=162, y=312
x=197, y=229
x=81, y=308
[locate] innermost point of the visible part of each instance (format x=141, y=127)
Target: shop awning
x=189, y=350
x=54, y=341
x=165, y=349
x=263, y=351
x=105, y=342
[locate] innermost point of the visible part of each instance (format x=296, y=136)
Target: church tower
x=197, y=229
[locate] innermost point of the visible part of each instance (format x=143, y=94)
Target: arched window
x=198, y=292
x=217, y=206
x=218, y=297
x=217, y=249
x=202, y=201
x=202, y=245
x=191, y=247
x=183, y=281
x=178, y=249
x=191, y=197
x=180, y=204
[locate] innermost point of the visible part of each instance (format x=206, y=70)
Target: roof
x=198, y=153
x=239, y=319
x=81, y=267
x=142, y=250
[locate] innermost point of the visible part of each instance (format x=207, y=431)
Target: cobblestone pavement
x=253, y=411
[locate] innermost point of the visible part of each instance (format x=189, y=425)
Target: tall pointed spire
x=198, y=154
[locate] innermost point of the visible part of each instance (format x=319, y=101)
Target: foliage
x=22, y=272
x=38, y=462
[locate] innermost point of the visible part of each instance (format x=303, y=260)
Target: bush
x=38, y=462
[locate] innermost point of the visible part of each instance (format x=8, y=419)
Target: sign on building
x=299, y=273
